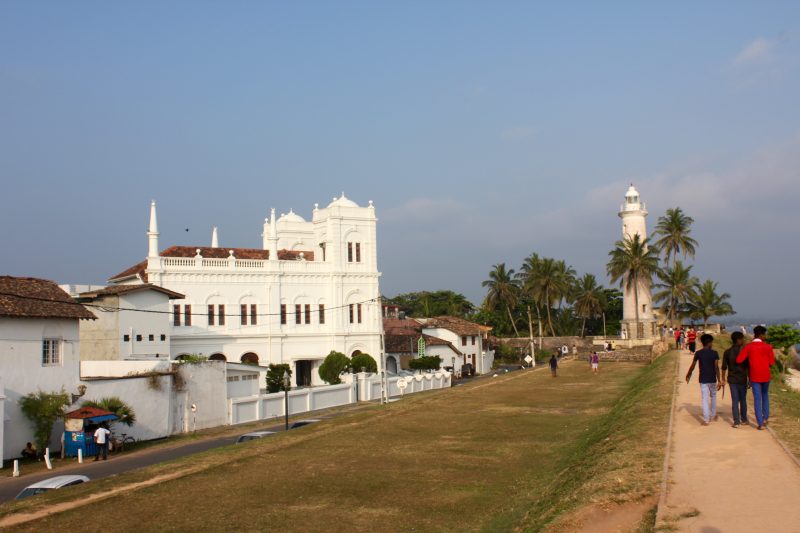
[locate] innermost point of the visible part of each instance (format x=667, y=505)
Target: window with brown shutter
x=176, y=315
x=463, y=340
x=253, y=314
x=187, y=315
x=352, y=309
x=358, y=252
x=349, y=252
x=283, y=313
x=297, y=314
x=210, y=315
x=321, y=313
x=221, y=313
x=359, y=313
x=308, y=313
x=243, y=313
x=473, y=340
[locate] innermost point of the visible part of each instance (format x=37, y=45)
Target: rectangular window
x=221, y=314
x=151, y=338
x=473, y=340
x=352, y=308
x=253, y=314
x=243, y=312
x=283, y=313
x=349, y=252
x=176, y=315
x=126, y=338
x=138, y=338
x=210, y=315
x=358, y=252
x=163, y=337
x=187, y=315
x=359, y=313
x=51, y=352
x=297, y=314
x=321, y=313
x=463, y=340
x=307, y=311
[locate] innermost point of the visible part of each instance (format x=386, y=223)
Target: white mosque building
x=633, y=213
x=311, y=288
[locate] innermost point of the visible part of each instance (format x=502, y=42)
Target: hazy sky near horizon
x=483, y=131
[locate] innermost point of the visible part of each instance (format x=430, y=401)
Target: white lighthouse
x=633, y=213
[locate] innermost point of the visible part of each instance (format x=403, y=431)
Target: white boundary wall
x=367, y=386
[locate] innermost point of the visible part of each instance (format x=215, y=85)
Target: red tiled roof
x=406, y=342
x=37, y=298
x=457, y=325
x=211, y=253
x=87, y=412
x=114, y=290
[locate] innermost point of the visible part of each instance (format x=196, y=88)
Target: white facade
x=23, y=371
x=313, y=288
x=633, y=213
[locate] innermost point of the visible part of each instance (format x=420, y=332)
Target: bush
x=506, y=354
x=124, y=412
x=363, y=360
x=428, y=362
x=333, y=366
x=275, y=377
x=192, y=358
x=43, y=409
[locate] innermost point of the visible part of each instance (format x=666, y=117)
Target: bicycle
x=118, y=443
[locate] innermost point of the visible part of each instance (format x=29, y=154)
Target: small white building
x=469, y=338
x=401, y=341
x=311, y=289
x=133, y=322
x=39, y=350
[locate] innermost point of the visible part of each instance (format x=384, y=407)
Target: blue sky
x=482, y=131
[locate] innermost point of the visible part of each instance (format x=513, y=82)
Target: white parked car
x=56, y=482
x=253, y=435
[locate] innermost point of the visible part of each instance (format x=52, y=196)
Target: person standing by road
x=554, y=366
x=101, y=435
x=737, y=379
x=710, y=379
x=760, y=357
x=595, y=359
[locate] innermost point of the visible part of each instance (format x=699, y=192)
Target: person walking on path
x=691, y=339
x=710, y=380
x=101, y=435
x=554, y=366
x=760, y=357
x=595, y=359
x=738, y=379
x=677, y=334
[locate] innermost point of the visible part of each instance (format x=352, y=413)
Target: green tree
x=275, y=377
x=549, y=282
x=427, y=362
x=363, y=360
x=677, y=288
x=589, y=299
x=707, y=303
x=43, y=409
x=503, y=290
x=332, y=367
x=435, y=303
x=672, y=233
x=633, y=264
x=784, y=337
x=125, y=413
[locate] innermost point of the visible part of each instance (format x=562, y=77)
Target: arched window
x=250, y=358
x=355, y=353
x=218, y=357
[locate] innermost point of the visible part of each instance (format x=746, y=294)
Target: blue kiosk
x=79, y=426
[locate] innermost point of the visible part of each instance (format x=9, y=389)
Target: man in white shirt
x=101, y=435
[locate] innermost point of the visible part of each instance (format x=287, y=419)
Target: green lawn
x=518, y=451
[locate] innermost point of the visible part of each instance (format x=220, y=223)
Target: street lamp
x=286, y=385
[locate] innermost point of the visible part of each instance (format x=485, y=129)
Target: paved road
x=119, y=463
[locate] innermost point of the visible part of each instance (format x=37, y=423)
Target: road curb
x=783, y=445
x=662, y=500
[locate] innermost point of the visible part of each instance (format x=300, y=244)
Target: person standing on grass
x=554, y=366
x=760, y=357
x=595, y=359
x=101, y=435
x=710, y=380
x=691, y=339
x=737, y=379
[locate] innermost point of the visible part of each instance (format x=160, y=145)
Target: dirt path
x=724, y=479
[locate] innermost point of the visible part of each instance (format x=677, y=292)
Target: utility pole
x=530, y=337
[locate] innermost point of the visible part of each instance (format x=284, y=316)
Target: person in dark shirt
x=737, y=379
x=554, y=366
x=710, y=380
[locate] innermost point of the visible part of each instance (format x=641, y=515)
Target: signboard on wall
x=421, y=347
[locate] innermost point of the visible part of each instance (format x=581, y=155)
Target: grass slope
x=510, y=452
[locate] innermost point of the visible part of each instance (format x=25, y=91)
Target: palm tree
x=678, y=288
x=707, y=303
x=124, y=412
x=543, y=284
x=565, y=283
x=503, y=290
x=673, y=231
x=589, y=299
x=633, y=263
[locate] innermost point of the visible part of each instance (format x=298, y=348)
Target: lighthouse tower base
x=647, y=329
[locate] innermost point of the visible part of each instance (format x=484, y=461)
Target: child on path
x=761, y=357
x=554, y=366
x=595, y=362
x=710, y=380
x=737, y=379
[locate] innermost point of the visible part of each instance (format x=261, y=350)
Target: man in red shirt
x=691, y=339
x=761, y=357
